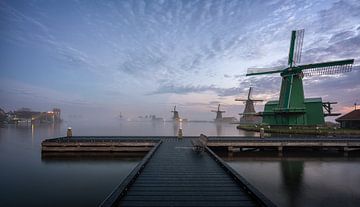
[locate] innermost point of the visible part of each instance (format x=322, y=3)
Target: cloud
x=29, y=95
x=187, y=89
x=179, y=47
x=184, y=89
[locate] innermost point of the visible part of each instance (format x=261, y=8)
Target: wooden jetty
x=186, y=172
x=99, y=144
x=230, y=143
x=324, y=143
x=173, y=174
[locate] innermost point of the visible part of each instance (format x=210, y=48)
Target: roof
x=351, y=116
x=309, y=100
x=272, y=102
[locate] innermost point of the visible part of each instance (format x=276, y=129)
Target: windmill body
x=249, y=115
x=176, y=116
x=293, y=108
x=219, y=117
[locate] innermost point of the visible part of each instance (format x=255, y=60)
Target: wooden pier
x=99, y=144
x=281, y=144
x=173, y=174
x=145, y=144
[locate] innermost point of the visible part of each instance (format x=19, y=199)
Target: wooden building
x=350, y=120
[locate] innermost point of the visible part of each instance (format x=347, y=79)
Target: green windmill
x=292, y=108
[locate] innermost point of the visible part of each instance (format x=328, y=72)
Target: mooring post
x=280, y=151
x=346, y=151
x=180, y=133
x=262, y=133
x=230, y=152
x=69, y=132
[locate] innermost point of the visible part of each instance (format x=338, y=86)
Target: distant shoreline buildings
x=26, y=115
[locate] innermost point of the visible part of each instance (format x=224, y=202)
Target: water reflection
x=175, y=126
x=73, y=157
x=219, y=128
x=292, y=175
x=302, y=179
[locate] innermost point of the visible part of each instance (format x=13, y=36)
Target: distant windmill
x=292, y=108
x=175, y=114
x=249, y=114
x=218, y=114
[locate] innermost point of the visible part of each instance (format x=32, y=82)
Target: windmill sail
x=327, y=68
x=296, y=42
x=298, y=46
x=261, y=71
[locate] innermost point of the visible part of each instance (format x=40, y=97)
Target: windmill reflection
x=219, y=128
x=292, y=179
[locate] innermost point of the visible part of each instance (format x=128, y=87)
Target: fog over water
x=29, y=178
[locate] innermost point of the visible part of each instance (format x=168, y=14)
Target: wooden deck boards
x=178, y=176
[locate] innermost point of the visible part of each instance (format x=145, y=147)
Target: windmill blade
x=257, y=100
x=299, y=34
x=296, y=42
x=262, y=71
x=327, y=68
x=240, y=99
x=249, y=94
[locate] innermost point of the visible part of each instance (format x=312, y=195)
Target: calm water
x=298, y=180
x=28, y=178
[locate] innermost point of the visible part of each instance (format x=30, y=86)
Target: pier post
x=230, y=152
x=69, y=132
x=180, y=133
x=346, y=151
x=280, y=151
x=262, y=133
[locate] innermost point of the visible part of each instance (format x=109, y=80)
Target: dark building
x=350, y=120
x=57, y=114
x=3, y=116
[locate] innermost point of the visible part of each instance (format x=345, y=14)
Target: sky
x=99, y=58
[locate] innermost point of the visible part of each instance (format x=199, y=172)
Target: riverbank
x=322, y=131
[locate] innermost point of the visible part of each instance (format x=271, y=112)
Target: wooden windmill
x=218, y=114
x=175, y=114
x=249, y=115
x=292, y=108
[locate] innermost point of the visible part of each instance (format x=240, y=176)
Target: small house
x=350, y=120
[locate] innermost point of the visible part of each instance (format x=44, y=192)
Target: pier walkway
x=145, y=144
x=173, y=174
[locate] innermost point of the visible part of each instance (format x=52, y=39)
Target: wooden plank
x=119, y=191
x=177, y=176
x=252, y=191
x=188, y=203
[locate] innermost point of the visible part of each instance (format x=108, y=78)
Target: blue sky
x=143, y=57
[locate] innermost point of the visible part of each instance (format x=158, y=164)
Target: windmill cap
x=69, y=127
